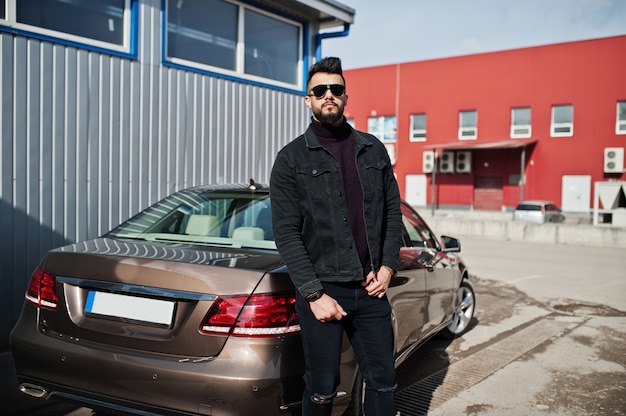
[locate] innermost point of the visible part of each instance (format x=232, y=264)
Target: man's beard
x=329, y=118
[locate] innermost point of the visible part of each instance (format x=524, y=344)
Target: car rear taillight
x=41, y=291
x=257, y=315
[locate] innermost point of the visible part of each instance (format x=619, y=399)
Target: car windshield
x=232, y=219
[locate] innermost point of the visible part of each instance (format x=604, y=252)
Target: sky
x=396, y=31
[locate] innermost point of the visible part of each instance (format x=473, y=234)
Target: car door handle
x=426, y=260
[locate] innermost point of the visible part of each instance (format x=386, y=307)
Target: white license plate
x=136, y=308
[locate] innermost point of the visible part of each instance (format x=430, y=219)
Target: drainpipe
x=327, y=35
x=433, y=193
x=522, y=173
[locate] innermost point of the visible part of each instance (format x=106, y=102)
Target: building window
x=100, y=24
x=468, y=125
x=234, y=39
x=562, y=124
x=520, y=122
x=382, y=127
x=418, y=127
x=620, y=124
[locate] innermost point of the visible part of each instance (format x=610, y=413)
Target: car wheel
x=464, y=308
x=358, y=396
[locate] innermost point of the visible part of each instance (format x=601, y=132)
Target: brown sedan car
x=187, y=309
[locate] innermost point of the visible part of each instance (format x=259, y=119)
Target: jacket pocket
x=315, y=180
x=375, y=170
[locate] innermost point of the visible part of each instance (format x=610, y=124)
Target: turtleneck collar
x=327, y=131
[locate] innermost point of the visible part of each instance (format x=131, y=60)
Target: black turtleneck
x=339, y=141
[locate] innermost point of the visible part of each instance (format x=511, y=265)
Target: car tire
x=464, y=308
x=358, y=396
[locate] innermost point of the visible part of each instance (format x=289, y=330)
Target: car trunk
x=131, y=295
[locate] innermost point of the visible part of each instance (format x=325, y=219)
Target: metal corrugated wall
x=90, y=139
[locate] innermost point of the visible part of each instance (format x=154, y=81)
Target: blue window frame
x=234, y=39
x=103, y=25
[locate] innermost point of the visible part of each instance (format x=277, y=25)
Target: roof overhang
x=476, y=145
x=331, y=12
x=327, y=13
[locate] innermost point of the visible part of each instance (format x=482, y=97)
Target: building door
x=415, y=190
x=576, y=193
x=488, y=192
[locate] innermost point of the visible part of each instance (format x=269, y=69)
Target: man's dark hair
x=330, y=65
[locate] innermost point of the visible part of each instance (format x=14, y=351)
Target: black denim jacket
x=310, y=213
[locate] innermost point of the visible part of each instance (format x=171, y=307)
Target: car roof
x=536, y=202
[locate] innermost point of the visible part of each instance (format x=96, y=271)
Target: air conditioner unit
x=463, y=162
x=613, y=160
x=428, y=161
x=446, y=162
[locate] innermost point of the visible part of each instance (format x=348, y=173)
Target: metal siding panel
x=11, y=284
x=160, y=170
x=89, y=140
x=46, y=177
x=135, y=137
x=113, y=145
x=145, y=152
x=177, y=131
x=33, y=150
x=123, y=176
x=19, y=174
x=83, y=130
x=70, y=140
x=193, y=160
x=100, y=154
x=58, y=110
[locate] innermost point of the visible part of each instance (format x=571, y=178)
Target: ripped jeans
x=368, y=326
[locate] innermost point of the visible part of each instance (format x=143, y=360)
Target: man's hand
x=377, y=283
x=326, y=309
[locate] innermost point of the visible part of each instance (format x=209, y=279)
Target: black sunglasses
x=336, y=89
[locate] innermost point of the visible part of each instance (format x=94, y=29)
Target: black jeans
x=368, y=326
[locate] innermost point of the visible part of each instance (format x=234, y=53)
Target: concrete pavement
x=576, y=296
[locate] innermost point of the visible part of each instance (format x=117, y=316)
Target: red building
x=554, y=114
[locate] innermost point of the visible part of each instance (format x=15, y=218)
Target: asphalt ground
x=548, y=338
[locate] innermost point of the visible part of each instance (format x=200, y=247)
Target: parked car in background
x=538, y=211
x=187, y=309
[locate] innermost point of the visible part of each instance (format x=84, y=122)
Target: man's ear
x=307, y=100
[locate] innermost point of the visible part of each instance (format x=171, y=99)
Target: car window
x=417, y=231
x=528, y=207
x=224, y=218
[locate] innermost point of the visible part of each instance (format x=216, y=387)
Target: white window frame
x=466, y=131
x=127, y=48
x=383, y=127
x=567, y=126
x=417, y=134
x=620, y=118
x=239, y=73
x=519, y=130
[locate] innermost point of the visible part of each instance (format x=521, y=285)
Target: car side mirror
x=450, y=244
